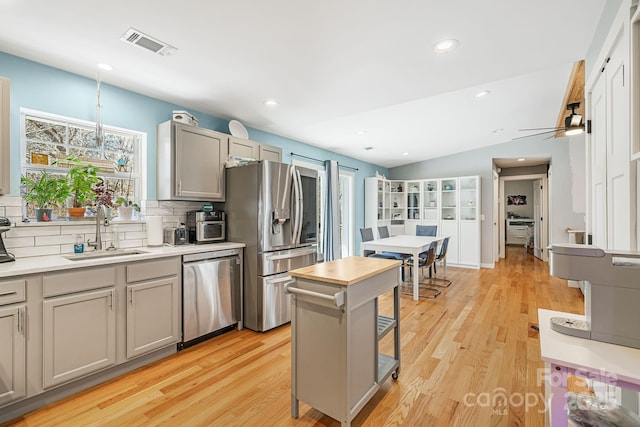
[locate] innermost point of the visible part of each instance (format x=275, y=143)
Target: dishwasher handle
x=337, y=299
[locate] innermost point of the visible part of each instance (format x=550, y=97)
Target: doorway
x=521, y=206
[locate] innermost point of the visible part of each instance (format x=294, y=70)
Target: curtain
x=331, y=214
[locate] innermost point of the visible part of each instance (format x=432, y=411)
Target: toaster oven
x=206, y=227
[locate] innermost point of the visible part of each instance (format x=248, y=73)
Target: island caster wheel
x=394, y=375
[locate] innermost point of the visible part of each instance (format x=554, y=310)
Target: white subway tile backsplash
x=131, y=243
x=36, y=251
x=11, y=201
x=28, y=231
x=135, y=235
x=18, y=242
x=13, y=211
x=37, y=238
x=55, y=240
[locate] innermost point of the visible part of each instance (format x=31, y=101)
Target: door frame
x=545, y=210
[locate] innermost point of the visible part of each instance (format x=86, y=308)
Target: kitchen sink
x=103, y=254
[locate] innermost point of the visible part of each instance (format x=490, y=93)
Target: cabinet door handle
x=111, y=300
x=20, y=320
x=179, y=187
x=131, y=296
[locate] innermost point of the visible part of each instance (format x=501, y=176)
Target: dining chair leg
x=437, y=281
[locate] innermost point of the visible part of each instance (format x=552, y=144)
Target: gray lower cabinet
x=79, y=335
x=153, y=315
x=13, y=384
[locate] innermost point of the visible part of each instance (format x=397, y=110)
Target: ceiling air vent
x=138, y=38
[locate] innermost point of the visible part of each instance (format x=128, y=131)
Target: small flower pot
x=76, y=212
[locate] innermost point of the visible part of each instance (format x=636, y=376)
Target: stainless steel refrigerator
x=273, y=209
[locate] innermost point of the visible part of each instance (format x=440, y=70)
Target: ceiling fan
x=573, y=124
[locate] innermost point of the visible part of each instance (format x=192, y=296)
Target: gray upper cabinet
x=4, y=136
x=190, y=163
x=248, y=149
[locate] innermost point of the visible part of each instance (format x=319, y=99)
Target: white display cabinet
x=452, y=204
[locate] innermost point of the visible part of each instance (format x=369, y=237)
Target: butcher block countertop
x=345, y=271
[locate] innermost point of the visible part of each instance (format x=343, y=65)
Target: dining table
x=405, y=244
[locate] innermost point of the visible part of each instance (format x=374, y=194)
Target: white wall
x=568, y=178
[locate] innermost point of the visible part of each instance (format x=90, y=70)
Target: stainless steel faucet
x=98, y=242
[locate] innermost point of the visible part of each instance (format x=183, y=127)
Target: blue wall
x=40, y=87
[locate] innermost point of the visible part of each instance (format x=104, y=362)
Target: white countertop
x=49, y=263
x=594, y=357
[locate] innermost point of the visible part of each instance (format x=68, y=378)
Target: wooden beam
x=574, y=93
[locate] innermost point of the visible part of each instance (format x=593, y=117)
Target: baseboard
x=488, y=265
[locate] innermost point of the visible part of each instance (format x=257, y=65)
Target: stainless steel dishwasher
x=211, y=294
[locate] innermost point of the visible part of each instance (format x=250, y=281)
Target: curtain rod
x=322, y=161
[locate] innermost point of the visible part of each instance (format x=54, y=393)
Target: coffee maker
x=611, y=292
x=4, y=255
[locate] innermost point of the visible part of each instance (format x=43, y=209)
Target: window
x=345, y=198
x=47, y=140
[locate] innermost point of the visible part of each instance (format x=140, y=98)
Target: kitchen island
x=336, y=366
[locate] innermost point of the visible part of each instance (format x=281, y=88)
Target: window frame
x=139, y=165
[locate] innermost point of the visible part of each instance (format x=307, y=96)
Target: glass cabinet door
x=397, y=196
x=413, y=200
x=430, y=190
x=469, y=198
x=449, y=199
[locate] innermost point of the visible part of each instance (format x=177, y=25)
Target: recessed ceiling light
x=521, y=159
x=368, y=148
x=446, y=45
x=405, y=153
x=105, y=67
x=482, y=93
x=497, y=130
x=362, y=132
x=271, y=103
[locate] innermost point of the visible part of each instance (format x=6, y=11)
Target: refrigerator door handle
x=300, y=204
x=291, y=254
x=296, y=191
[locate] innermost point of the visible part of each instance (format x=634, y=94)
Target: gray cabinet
x=190, y=163
x=153, y=306
x=79, y=335
x=12, y=353
x=248, y=149
x=4, y=136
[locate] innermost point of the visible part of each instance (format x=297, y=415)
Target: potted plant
x=44, y=192
x=126, y=208
x=82, y=177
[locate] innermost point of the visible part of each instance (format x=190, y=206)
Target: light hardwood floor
x=463, y=355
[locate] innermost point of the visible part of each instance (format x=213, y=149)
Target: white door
x=538, y=216
x=496, y=217
x=599, y=164
x=619, y=225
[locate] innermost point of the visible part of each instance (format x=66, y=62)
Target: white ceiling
x=336, y=67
